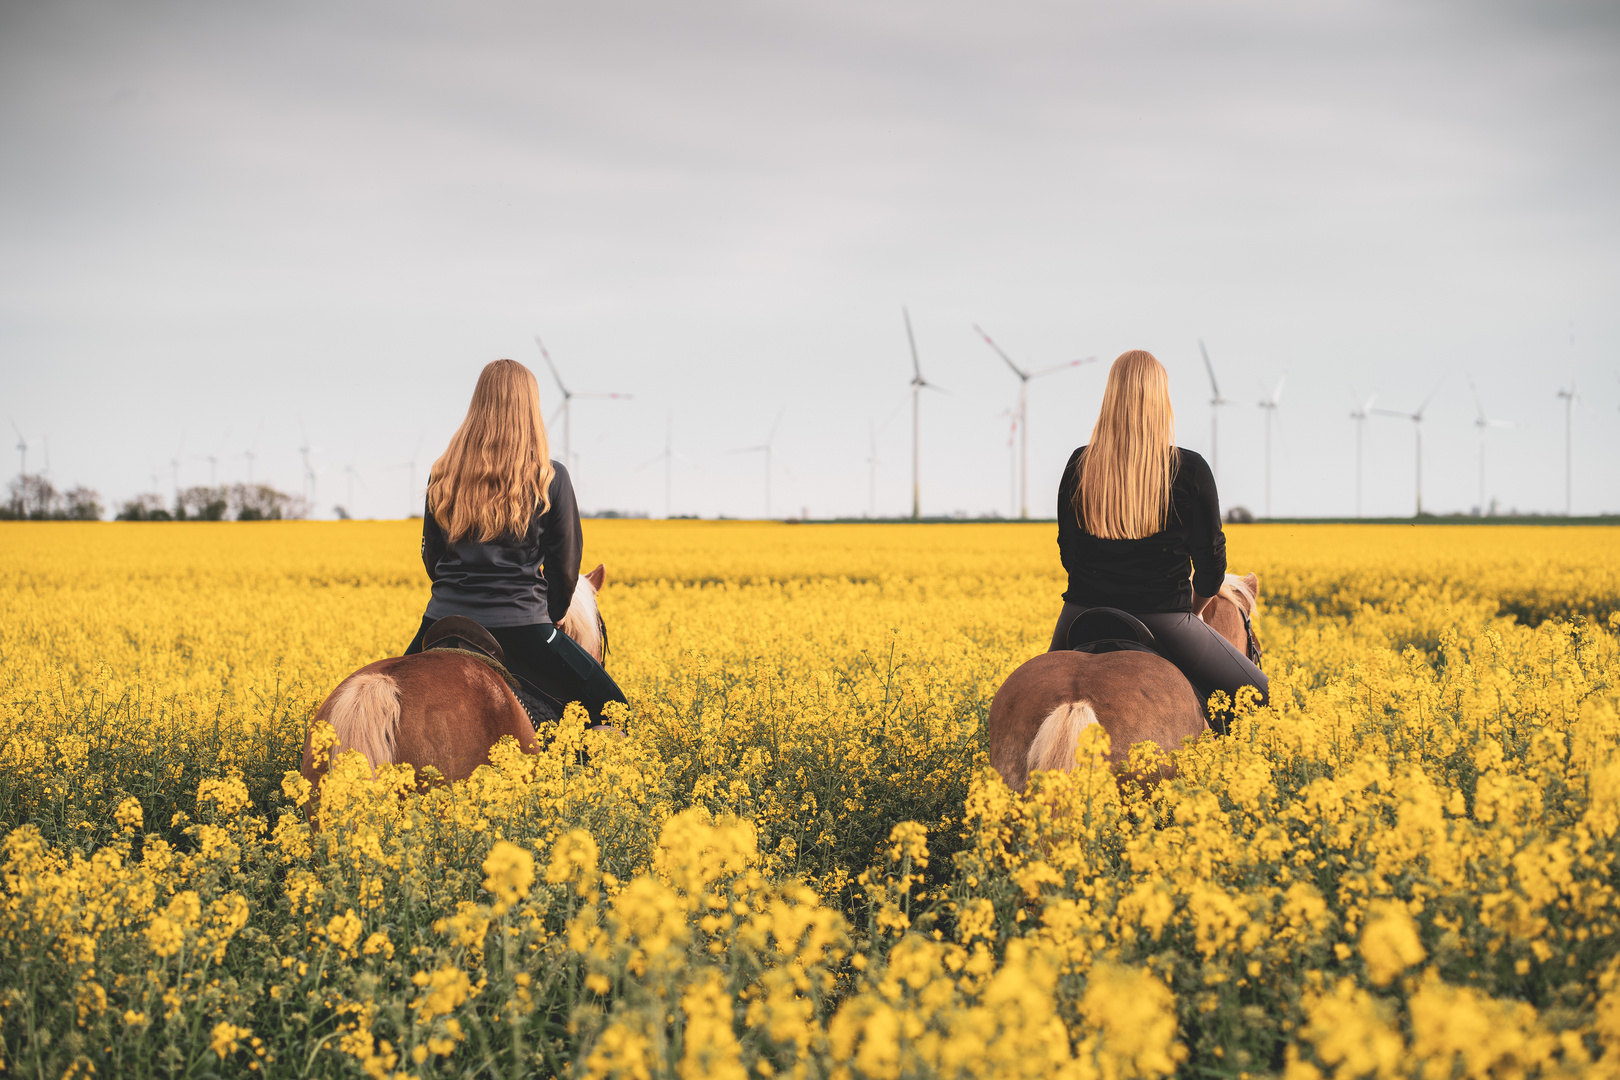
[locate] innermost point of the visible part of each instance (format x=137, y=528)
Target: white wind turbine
x=1481, y=421
x=22, y=449
x=1570, y=395
x=871, y=469
x=174, y=465
x=765, y=447
x=1270, y=403
x=669, y=457
x=252, y=452
x=1359, y=414
x=352, y=474
x=410, y=475
x=1215, y=403
x=304, y=449
x=1021, y=414
x=1417, y=432
x=213, y=459
x=567, y=411
x=918, y=385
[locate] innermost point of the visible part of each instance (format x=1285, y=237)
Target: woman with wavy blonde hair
x=1134, y=512
x=501, y=539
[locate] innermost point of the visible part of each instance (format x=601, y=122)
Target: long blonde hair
x=1129, y=466
x=497, y=469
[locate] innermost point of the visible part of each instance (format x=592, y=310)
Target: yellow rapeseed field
x=798, y=863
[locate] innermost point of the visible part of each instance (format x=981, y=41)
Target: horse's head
x=1230, y=613
x=584, y=622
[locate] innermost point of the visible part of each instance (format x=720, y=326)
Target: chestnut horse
x=1038, y=714
x=439, y=707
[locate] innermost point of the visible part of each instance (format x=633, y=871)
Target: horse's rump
x=1134, y=696
x=439, y=708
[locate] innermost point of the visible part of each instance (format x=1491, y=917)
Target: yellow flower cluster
x=798, y=863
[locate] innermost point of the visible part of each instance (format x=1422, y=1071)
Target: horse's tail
x=1058, y=735
x=365, y=715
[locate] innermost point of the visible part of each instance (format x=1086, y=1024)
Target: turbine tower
x=1417, y=432
x=765, y=447
x=1481, y=421
x=253, y=452
x=1269, y=404
x=1569, y=394
x=1215, y=403
x=1359, y=413
x=1021, y=416
x=668, y=457
x=568, y=396
x=918, y=384
x=304, y=449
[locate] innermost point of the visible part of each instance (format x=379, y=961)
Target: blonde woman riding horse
x=1135, y=512
x=511, y=632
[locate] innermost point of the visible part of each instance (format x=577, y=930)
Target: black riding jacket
x=1149, y=574
x=511, y=580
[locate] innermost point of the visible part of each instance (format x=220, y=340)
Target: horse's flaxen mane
x=1236, y=590
x=581, y=623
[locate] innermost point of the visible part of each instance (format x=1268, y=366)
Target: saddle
x=1106, y=630
x=459, y=634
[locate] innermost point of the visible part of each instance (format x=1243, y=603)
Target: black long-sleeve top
x=511, y=580
x=1149, y=574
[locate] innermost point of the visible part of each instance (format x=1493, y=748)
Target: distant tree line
x=34, y=498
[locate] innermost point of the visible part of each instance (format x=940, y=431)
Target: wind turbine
x=1215, y=403
x=352, y=474
x=1021, y=416
x=253, y=451
x=568, y=396
x=22, y=448
x=1359, y=414
x=766, y=448
x=871, y=469
x=918, y=384
x=1569, y=395
x=1481, y=421
x=309, y=473
x=668, y=457
x=174, y=464
x=213, y=459
x=1269, y=404
x=1417, y=431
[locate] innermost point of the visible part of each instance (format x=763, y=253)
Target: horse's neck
x=1225, y=619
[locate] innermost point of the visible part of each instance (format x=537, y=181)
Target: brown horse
x=1038, y=714
x=440, y=708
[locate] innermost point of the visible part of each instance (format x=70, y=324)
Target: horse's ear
x=595, y=577
x=1254, y=585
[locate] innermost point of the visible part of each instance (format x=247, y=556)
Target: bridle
x=1252, y=643
x=1252, y=646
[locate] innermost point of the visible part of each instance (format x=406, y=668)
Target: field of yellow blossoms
x=798, y=863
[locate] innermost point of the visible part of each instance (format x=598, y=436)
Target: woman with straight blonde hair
x=1134, y=512
x=501, y=540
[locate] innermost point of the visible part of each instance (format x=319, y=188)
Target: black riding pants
x=1209, y=661
x=550, y=662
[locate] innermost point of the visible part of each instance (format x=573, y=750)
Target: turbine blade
x=1020, y=372
x=1209, y=367
x=544, y=355
x=771, y=438
x=1061, y=367
x=911, y=338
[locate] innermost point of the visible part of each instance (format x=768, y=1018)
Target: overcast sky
x=220, y=219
